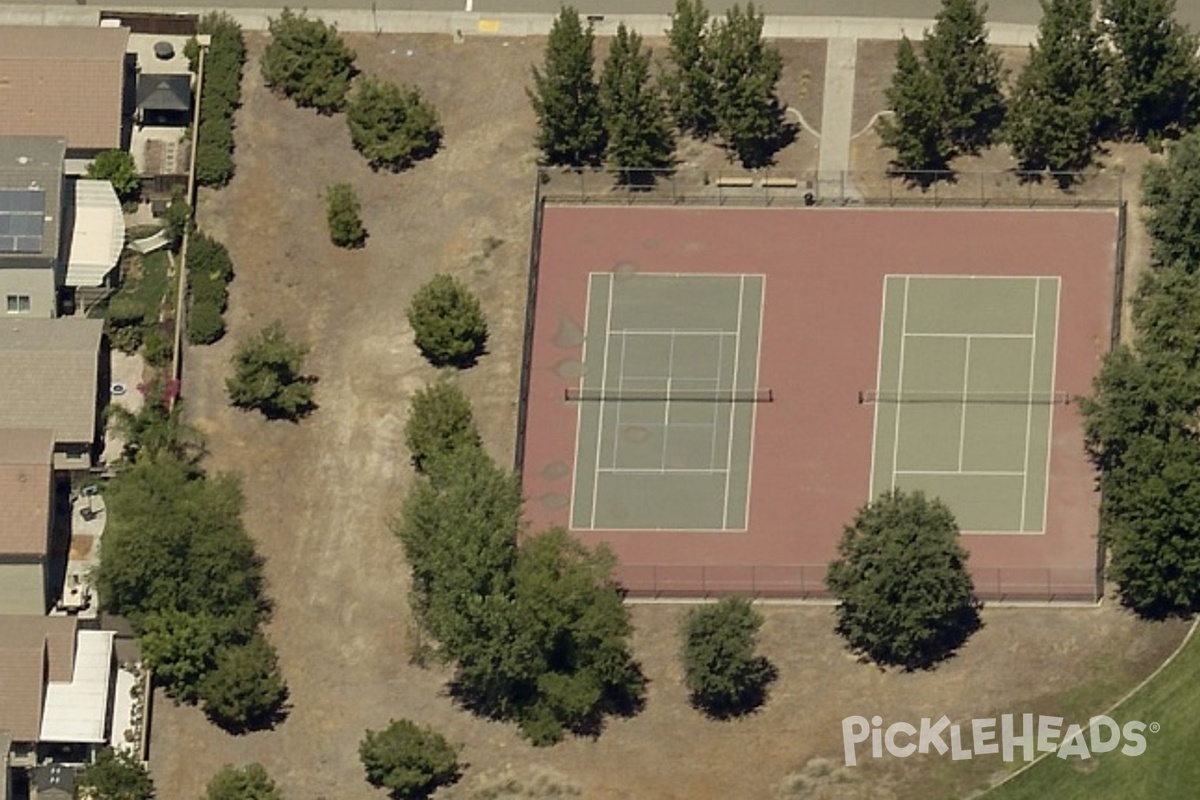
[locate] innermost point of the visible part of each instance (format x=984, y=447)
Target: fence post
x=704, y=580
x=982, y=191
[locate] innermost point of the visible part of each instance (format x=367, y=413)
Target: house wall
x=37, y=284
x=23, y=588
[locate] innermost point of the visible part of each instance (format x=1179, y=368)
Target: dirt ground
x=320, y=495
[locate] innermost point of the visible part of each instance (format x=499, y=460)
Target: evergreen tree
x=1058, y=108
x=639, y=136
x=723, y=672
x=392, y=126
x=448, y=323
x=439, y=422
x=409, y=761
x=746, y=72
x=565, y=96
x=343, y=213
x=689, y=86
x=968, y=73
x=904, y=594
x=917, y=129
x=116, y=776
x=1155, y=72
x=308, y=61
x=250, y=782
x=268, y=375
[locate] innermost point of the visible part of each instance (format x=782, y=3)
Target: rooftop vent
x=164, y=51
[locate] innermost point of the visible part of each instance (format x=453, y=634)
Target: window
x=18, y=304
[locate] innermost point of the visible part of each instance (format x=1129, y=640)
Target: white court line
x=878, y=378
x=660, y=471
x=603, y=405
x=737, y=352
x=667, y=405
x=730, y=276
x=1037, y=289
x=762, y=312
x=974, y=335
x=1053, y=380
x=674, y=332
x=620, y=385
x=900, y=385
x=716, y=407
x=587, y=310
x=962, y=420
x=975, y=473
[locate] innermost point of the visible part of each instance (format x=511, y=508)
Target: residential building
x=27, y=497
x=51, y=379
x=31, y=189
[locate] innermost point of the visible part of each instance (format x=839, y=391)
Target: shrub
x=392, y=126
x=439, y=422
x=268, y=376
x=250, y=782
x=725, y=676
x=308, y=62
x=343, y=215
x=116, y=167
x=178, y=221
x=157, y=347
x=448, y=323
x=407, y=760
x=220, y=97
x=205, y=324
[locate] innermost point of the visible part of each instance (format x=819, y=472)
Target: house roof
x=63, y=81
x=97, y=231
x=76, y=710
x=25, y=474
x=31, y=179
x=164, y=92
x=49, y=375
x=33, y=650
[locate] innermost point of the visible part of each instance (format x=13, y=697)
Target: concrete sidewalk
x=517, y=25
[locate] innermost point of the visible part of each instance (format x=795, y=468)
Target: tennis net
x=958, y=398
x=575, y=394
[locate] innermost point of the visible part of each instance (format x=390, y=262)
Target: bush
x=116, y=167
x=245, y=691
x=157, y=347
x=392, y=126
x=116, y=776
x=904, y=594
x=209, y=258
x=448, y=323
x=439, y=422
x=724, y=675
x=220, y=97
x=343, y=215
x=205, y=324
x=178, y=221
x=250, y=782
x=409, y=761
x=268, y=376
x=308, y=62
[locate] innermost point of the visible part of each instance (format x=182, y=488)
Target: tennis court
x=965, y=397
x=667, y=401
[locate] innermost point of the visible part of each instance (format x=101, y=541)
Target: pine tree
x=1059, y=106
x=1155, y=72
x=916, y=130
x=746, y=71
x=968, y=72
x=565, y=96
x=639, y=137
x=689, y=87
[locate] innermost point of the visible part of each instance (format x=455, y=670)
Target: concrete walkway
x=837, y=113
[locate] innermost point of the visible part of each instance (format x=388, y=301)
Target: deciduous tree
x=407, y=760
x=1171, y=192
x=245, y=691
x=689, y=85
x=968, y=73
x=1061, y=100
x=639, y=135
x=117, y=776
x=269, y=376
x=250, y=782
x=904, y=594
x=565, y=96
x=746, y=72
x=917, y=128
x=724, y=674
x=392, y=126
x=116, y=167
x=440, y=421
x=307, y=61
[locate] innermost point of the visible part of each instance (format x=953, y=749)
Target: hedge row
x=209, y=271
x=219, y=98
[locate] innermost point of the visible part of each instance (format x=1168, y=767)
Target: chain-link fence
x=791, y=188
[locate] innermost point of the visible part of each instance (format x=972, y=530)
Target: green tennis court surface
x=667, y=402
x=965, y=397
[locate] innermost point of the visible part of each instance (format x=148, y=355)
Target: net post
x=860, y=397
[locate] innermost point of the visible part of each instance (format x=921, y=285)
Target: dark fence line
x=794, y=188
x=1015, y=584
x=162, y=24
x=535, y=246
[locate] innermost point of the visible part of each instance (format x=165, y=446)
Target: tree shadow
x=267, y=719
x=762, y=154
x=932, y=652
x=753, y=696
x=464, y=360
x=294, y=414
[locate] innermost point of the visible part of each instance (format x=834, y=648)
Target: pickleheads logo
x=1007, y=736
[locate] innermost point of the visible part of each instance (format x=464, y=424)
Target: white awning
x=75, y=712
x=98, y=235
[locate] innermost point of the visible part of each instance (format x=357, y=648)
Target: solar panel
x=22, y=217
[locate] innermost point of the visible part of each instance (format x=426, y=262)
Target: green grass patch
x=1166, y=769
x=155, y=286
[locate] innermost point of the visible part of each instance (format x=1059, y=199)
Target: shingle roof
x=33, y=650
x=49, y=374
x=164, y=92
x=25, y=461
x=33, y=163
x=63, y=81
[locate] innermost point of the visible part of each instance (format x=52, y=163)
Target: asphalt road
x=1010, y=11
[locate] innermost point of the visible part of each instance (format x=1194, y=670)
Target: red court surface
x=811, y=464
